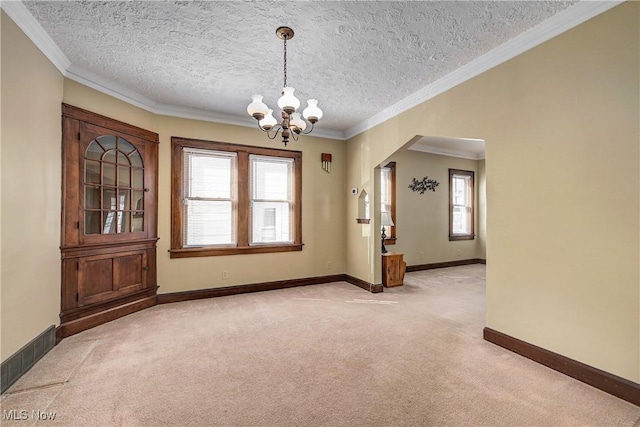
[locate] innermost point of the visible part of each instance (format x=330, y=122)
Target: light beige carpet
x=322, y=355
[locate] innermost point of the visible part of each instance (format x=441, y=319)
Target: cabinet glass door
x=113, y=187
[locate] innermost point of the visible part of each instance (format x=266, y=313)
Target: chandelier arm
x=308, y=131
x=277, y=128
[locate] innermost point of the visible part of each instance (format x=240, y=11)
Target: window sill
x=462, y=237
x=201, y=252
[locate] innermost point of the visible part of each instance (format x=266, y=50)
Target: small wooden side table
x=393, y=268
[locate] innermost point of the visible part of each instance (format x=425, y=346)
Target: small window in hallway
x=388, y=199
x=461, y=217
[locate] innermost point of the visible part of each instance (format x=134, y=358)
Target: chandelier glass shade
x=292, y=124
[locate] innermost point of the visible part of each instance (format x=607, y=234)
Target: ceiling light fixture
x=292, y=124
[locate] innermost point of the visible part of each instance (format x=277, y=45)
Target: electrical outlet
x=328, y=265
x=225, y=274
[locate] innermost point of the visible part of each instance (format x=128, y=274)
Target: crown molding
x=569, y=18
x=108, y=87
x=32, y=28
x=426, y=148
x=546, y=30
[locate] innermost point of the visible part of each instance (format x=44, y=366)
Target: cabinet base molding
x=602, y=380
x=72, y=327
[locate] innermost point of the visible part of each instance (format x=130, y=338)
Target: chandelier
x=292, y=124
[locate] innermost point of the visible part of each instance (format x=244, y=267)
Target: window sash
x=387, y=199
x=211, y=175
x=271, y=190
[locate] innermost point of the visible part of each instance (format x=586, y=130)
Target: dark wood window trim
x=243, y=186
x=391, y=233
x=471, y=235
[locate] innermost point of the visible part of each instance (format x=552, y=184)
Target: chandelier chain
x=285, y=61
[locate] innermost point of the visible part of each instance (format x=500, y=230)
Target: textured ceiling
x=357, y=58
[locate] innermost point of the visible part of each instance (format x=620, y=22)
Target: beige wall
x=562, y=170
x=423, y=219
x=563, y=191
x=322, y=195
x=30, y=279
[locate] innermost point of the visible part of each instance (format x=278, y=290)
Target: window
x=209, y=197
x=233, y=199
x=388, y=199
x=271, y=199
x=461, y=216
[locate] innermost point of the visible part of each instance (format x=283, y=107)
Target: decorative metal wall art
x=326, y=162
x=423, y=185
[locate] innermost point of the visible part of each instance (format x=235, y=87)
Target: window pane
x=385, y=187
x=124, y=222
x=107, y=141
x=91, y=222
x=122, y=159
x=110, y=156
x=461, y=223
x=209, y=223
x=94, y=151
x=91, y=197
x=92, y=172
x=109, y=174
x=138, y=200
x=138, y=178
x=210, y=176
x=461, y=190
x=124, y=177
x=271, y=190
x=136, y=159
x=125, y=146
x=137, y=223
x=124, y=198
x=109, y=222
x=271, y=178
x=109, y=201
x=270, y=222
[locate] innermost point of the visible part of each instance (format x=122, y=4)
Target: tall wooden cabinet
x=109, y=219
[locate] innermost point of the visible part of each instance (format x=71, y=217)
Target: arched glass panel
x=113, y=187
x=107, y=142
